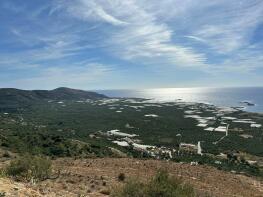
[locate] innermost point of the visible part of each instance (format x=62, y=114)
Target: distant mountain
x=13, y=98
x=67, y=94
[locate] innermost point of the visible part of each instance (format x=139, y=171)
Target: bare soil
x=96, y=177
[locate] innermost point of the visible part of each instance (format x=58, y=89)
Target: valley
x=133, y=130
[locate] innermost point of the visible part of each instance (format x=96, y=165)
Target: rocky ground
x=96, y=177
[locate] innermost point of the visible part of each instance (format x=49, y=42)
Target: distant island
x=248, y=103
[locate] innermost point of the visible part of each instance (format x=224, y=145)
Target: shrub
x=164, y=185
x=29, y=168
x=131, y=189
x=161, y=185
x=6, y=154
x=121, y=177
x=2, y=194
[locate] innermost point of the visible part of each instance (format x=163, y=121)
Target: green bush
x=27, y=168
x=121, y=177
x=161, y=185
x=164, y=185
x=131, y=189
x=2, y=194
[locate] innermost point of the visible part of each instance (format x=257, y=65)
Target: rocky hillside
x=96, y=177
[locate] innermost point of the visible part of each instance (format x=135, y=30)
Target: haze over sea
x=227, y=97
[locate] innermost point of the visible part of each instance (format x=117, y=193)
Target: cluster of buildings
x=128, y=140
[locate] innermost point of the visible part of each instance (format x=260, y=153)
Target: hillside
x=11, y=98
x=92, y=177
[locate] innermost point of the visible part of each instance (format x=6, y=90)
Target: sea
x=222, y=97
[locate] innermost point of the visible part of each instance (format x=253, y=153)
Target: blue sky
x=111, y=44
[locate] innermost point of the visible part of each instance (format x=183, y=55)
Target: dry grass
x=96, y=177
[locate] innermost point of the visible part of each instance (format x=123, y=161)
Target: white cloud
x=211, y=36
x=88, y=10
x=243, y=62
x=44, y=46
x=195, y=38
x=141, y=37
x=83, y=76
x=230, y=25
x=152, y=32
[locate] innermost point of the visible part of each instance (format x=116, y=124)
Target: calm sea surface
x=230, y=97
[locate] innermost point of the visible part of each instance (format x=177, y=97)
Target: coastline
x=153, y=100
x=250, y=99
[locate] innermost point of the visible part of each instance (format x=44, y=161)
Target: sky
x=116, y=44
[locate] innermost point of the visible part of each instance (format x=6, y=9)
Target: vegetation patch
x=162, y=184
x=29, y=168
x=78, y=129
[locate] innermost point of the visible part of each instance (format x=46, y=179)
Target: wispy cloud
x=91, y=10
x=212, y=37
x=195, y=38
x=76, y=76
x=148, y=35
x=141, y=37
